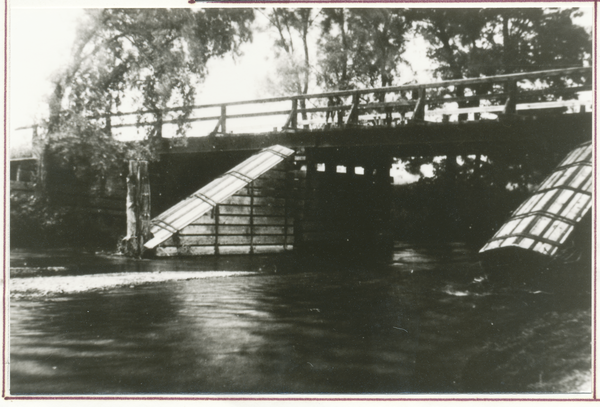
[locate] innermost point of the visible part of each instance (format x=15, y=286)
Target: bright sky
x=40, y=41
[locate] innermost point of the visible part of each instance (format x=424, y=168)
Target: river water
x=430, y=322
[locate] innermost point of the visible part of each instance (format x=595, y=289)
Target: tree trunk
x=55, y=108
x=506, y=54
x=344, y=85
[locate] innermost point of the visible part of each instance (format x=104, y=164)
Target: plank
x=197, y=251
x=271, y=240
x=258, y=201
x=168, y=251
x=190, y=240
x=271, y=211
x=207, y=219
x=233, y=210
x=274, y=174
x=234, y=220
x=269, y=201
x=21, y=186
x=268, y=192
x=198, y=230
x=234, y=240
x=270, y=183
x=238, y=200
x=234, y=230
x=271, y=249
x=234, y=249
x=269, y=230
x=270, y=220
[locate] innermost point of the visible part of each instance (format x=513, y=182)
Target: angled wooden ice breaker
x=186, y=220
x=544, y=222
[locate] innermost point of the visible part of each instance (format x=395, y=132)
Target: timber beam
x=425, y=138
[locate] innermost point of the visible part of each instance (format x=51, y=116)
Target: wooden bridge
x=335, y=190
x=337, y=185
x=415, y=119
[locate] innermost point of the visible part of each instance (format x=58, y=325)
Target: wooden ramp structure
x=546, y=220
x=247, y=210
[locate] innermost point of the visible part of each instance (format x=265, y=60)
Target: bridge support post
x=294, y=114
x=352, y=118
x=223, y=120
x=382, y=203
x=137, y=209
x=419, y=112
x=510, y=108
x=345, y=213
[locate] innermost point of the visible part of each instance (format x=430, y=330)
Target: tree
x=143, y=59
x=294, y=66
x=478, y=191
x=148, y=59
x=361, y=47
x=468, y=43
x=335, y=69
x=151, y=58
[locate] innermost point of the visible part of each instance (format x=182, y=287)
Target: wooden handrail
x=388, y=89
x=353, y=109
x=403, y=103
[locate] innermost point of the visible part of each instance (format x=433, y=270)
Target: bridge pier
x=339, y=203
x=343, y=204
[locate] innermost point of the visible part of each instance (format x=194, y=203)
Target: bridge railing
x=453, y=100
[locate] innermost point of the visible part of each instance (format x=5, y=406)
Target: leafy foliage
x=149, y=59
x=157, y=55
x=361, y=47
x=123, y=59
x=293, y=27
x=468, y=43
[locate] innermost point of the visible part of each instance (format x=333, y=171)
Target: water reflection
x=427, y=323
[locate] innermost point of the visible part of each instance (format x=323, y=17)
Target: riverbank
x=66, y=262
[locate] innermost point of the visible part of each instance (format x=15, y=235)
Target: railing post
x=419, y=112
x=108, y=125
x=159, y=124
x=223, y=119
x=510, y=108
x=294, y=114
x=353, y=115
x=340, y=113
x=292, y=120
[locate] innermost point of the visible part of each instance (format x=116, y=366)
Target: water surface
x=428, y=323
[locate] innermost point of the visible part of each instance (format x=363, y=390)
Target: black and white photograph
x=299, y=201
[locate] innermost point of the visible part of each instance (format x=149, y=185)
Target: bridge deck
x=562, y=131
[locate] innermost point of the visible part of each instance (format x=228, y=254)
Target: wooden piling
x=137, y=209
x=143, y=199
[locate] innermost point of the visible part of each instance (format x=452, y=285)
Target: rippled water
x=428, y=323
